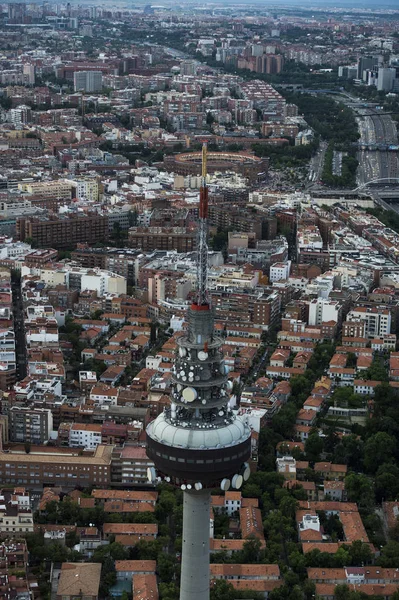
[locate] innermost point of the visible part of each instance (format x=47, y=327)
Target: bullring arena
x=246, y=164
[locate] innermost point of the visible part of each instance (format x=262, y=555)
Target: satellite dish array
x=236, y=481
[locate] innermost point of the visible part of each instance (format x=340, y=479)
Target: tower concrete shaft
x=194, y=580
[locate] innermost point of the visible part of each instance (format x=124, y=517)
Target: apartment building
x=129, y=466
x=63, y=231
x=353, y=329
x=59, y=188
x=8, y=373
x=323, y=311
x=266, y=310
x=148, y=239
x=65, y=468
x=377, y=321
x=279, y=271
x=33, y=425
x=85, y=435
x=87, y=81
x=87, y=189
x=166, y=285
x=237, y=218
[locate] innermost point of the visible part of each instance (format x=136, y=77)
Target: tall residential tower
x=198, y=443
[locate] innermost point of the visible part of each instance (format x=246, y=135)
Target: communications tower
x=198, y=442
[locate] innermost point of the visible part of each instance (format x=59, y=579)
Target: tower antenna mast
x=202, y=295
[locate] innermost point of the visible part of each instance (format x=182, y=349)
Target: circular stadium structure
x=246, y=164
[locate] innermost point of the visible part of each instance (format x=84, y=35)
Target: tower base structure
x=195, y=572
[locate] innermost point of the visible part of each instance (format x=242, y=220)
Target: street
x=19, y=328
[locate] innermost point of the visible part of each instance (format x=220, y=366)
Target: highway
x=376, y=129
x=316, y=165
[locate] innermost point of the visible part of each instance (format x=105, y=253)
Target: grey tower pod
x=198, y=443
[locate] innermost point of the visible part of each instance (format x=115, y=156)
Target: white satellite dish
x=202, y=355
x=189, y=394
x=237, y=481
x=151, y=474
x=247, y=472
x=225, y=484
x=182, y=352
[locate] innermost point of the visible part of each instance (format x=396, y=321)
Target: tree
x=300, y=385
x=342, y=592
x=283, y=422
x=313, y=447
x=350, y=451
x=219, y=240
x=210, y=118
x=378, y=449
x=71, y=539
x=222, y=590
x=351, y=360
x=387, y=482
x=5, y=102
x=251, y=552
x=360, y=553
x=97, y=314
x=341, y=557
x=117, y=551
x=108, y=575
x=390, y=555
x=166, y=504
x=166, y=567
x=251, y=490
x=377, y=371
x=168, y=591
x=288, y=506
x=359, y=489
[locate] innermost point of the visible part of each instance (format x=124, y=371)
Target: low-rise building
x=79, y=580
x=16, y=518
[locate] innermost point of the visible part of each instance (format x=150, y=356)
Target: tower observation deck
x=198, y=442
